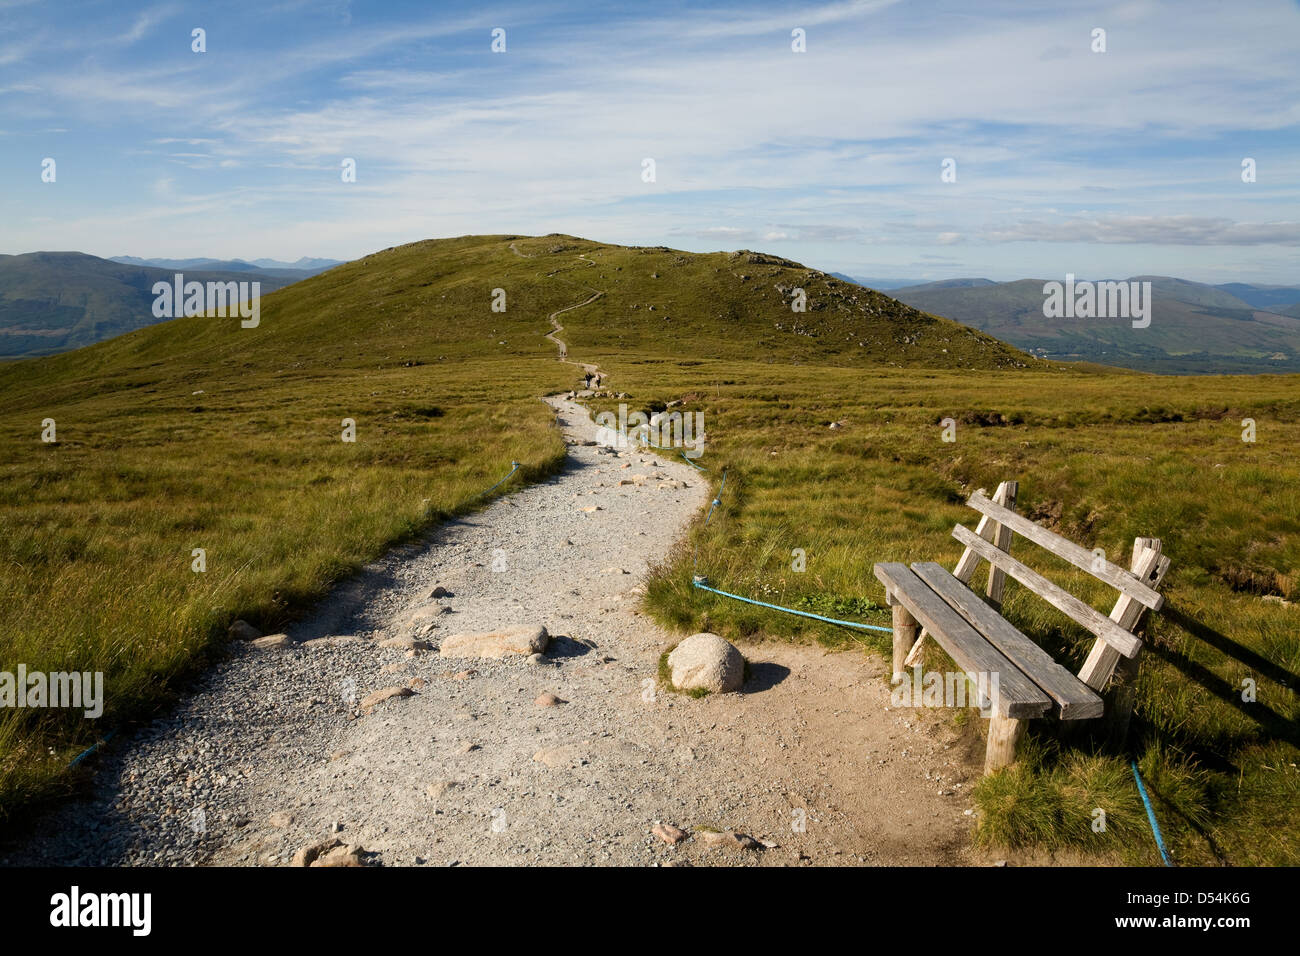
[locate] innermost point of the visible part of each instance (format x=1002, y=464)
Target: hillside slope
x=196, y=433
x=54, y=301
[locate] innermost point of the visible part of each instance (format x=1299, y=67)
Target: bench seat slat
x=1058, y=597
x=1017, y=695
x=1074, y=699
x=1080, y=557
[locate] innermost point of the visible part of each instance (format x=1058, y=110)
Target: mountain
x=1274, y=298
x=882, y=284
x=291, y=270
x=304, y=264
x=948, y=284
x=715, y=304
x=54, y=301
x=1195, y=328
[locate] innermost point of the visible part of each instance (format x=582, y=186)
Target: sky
x=1067, y=160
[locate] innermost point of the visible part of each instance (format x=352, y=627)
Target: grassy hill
x=54, y=301
x=196, y=433
x=1195, y=328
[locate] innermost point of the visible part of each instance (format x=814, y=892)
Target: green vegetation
x=1099, y=461
x=96, y=532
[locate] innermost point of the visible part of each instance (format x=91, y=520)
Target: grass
x=96, y=533
x=1098, y=460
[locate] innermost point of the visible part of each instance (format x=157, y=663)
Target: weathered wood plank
x=1074, y=699
x=1150, y=566
x=1017, y=696
x=1058, y=597
x=1118, y=578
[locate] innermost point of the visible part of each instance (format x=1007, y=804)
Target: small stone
x=371, y=701
x=241, y=630
x=341, y=855
x=280, y=820
x=669, y=834
x=271, y=642
x=463, y=675
x=548, y=700
x=497, y=644
x=440, y=592
x=309, y=855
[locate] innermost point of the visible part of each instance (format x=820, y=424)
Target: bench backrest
x=991, y=542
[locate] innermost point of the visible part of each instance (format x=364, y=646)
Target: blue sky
x=1102, y=164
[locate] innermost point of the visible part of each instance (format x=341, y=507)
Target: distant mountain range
x=54, y=301
x=1195, y=328
x=293, y=270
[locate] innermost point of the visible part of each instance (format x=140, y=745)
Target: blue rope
x=90, y=750
x=717, y=499
x=829, y=620
x=700, y=579
x=1151, y=814
x=692, y=464
x=501, y=482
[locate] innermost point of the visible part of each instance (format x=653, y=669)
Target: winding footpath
x=276, y=750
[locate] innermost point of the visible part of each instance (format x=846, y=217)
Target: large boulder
x=706, y=662
x=525, y=640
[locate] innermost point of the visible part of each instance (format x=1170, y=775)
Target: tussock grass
x=96, y=532
x=1098, y=461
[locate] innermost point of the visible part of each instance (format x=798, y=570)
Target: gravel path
x=271, y=751
x=274, y=750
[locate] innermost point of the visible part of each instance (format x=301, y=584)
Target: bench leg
x=905, y=631
x=1004, y=734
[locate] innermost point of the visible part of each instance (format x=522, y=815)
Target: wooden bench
x=1027, y=681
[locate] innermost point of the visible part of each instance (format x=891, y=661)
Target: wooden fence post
x=905, y=636
x=1006, y=496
